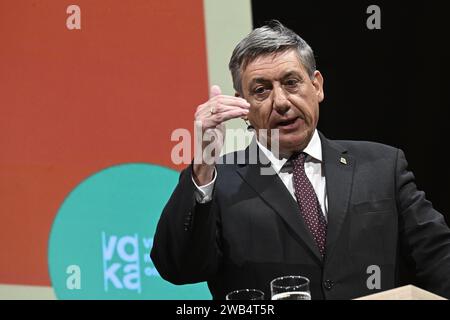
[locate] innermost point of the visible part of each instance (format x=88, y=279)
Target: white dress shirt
x=313, y=169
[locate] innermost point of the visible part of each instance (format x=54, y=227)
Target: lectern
x=409, y=292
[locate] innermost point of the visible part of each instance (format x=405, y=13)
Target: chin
x=291, y=143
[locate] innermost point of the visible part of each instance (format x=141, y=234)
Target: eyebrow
x=292, y=73
x=258, y=80
x=289, y=73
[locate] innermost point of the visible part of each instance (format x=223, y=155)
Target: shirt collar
x=313, y=150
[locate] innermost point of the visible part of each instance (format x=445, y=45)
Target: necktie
x=308, y=203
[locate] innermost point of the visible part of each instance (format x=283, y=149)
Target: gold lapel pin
x=343, y=160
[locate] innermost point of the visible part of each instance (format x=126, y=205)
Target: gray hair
x=269, y=39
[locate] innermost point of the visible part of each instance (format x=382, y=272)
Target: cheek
x=308, y=106
x=259, y=113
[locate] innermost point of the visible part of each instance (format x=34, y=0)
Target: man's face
x=282, y=96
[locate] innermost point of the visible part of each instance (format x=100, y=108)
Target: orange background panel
x=73, y=102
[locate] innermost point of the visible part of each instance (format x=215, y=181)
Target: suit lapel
x=339, y=167
x=275, y=194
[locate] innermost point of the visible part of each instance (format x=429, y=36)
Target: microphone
x=249, y=126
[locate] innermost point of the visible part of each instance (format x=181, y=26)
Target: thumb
x=215, y=91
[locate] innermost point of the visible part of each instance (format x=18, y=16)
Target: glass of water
x=290, y=288
x=245, y=294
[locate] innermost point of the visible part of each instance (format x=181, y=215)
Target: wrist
x=203, y=173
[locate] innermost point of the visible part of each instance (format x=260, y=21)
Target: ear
x=317, y=82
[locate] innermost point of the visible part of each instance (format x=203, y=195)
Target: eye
x=291, y=82
x=259, y=90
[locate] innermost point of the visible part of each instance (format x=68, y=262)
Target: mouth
x=288, y=124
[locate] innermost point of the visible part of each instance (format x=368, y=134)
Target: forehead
x=273, y=64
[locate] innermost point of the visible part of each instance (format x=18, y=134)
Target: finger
x=220, y=106
x=231, y=101
x=215, y=91
x=216, y=119
x=226, y=108
x=205, y=111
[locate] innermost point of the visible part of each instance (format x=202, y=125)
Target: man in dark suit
x=332, y=211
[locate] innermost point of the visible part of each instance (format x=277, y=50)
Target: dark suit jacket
x=252, y=232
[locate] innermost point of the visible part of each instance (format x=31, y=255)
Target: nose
x=280, y=100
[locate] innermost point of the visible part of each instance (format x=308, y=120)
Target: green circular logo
x=101, y=238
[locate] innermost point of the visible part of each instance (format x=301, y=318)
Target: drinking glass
x=245, y=294
x=290, y=288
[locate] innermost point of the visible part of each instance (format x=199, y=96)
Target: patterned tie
x=308, y=203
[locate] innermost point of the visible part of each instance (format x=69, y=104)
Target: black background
x=390, y=85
